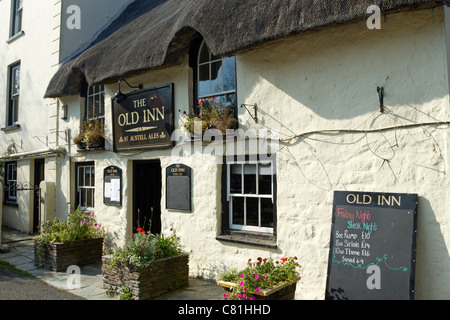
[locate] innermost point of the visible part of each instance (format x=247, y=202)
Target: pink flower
x=257, y=277
x=242, y=283
x=252, y=298
x=244, y=296
x=225, y=296
x=242, y=276
x=266, y=276
x=257, y=290
x=238, y=295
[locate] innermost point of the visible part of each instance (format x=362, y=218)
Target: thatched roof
x=157, y=33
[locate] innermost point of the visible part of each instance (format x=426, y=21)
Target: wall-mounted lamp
x=121, y=96
x=64, y=112
x=380, y=91
x=255, y=109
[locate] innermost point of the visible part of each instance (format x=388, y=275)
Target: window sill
x=10, y=203
x=15, y=37
x=249, y=238
x=11, y=127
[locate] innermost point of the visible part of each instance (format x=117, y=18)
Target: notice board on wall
x=178, y=188
x=112, y=186
x=372, y=246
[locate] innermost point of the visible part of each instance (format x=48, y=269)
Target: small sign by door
x=112, y=187
x=178, y=184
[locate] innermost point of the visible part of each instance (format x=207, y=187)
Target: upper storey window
x=16, y=25
x=216, y=76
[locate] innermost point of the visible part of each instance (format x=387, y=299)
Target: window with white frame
x=250, y=193
x=216, y=77
x=14, y=94
x=85, y=189
x=95, y=104
x=11, y=181
x=16, y=19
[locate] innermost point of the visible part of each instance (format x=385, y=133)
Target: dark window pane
x=89, y=198
x=204, y=54
x=266, y=213
x=236, y=179
x=250, y=179
x=252, y=212
x=203, y=85
x=265, y=178
x=238, y=211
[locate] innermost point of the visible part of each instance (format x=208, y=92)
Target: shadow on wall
x=432, y=258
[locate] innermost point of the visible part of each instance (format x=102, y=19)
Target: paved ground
x=48, y=285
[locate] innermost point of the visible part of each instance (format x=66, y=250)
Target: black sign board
x=178, y=188
x=145, y=119
x=112, y=186
x=372, y=246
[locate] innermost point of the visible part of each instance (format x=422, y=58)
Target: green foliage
x=79, y=225
x=262, y=274
x=142, y=248
x=211, y=115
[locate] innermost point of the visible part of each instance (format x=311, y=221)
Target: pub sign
x=144, y=120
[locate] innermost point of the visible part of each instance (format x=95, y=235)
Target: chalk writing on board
x=378, y=259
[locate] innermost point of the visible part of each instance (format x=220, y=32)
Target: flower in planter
x=79, y=225
x=211, y=115
x=261, y=274
x=142, y=248
x=92, y=135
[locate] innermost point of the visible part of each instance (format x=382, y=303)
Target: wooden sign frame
x=178, y=188
x=372, y=246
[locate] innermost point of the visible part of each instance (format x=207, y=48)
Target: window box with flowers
x=211, y=114
x=148, y=266
x=78, y=240
x=264, y=279
x=92, y=135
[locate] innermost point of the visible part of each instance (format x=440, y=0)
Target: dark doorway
x=147, y=188
x=39, y=165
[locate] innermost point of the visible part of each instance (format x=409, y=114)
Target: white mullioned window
x=16, y=21
x=11, y=181
x=250, y=191
x=14, y=94
x=216, y=77
x=95, y=104
x=86, y=186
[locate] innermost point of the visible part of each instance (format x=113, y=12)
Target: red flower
x=141, y=230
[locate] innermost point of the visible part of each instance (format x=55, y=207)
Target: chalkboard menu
x=178, y=188
x=372, y=246
x=112, y=187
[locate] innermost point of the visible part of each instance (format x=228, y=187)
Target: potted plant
x=92, y=135
x=211, y=115
x=147, y=266
x=77, y=240
x=264, y=279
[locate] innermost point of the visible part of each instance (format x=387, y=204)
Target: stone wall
x=59, y=256
x=161, y=276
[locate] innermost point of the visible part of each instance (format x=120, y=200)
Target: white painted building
x=313, y=76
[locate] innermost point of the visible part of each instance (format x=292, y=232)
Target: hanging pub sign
x=145, y=119
x=112, y=186
x=372, y=246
